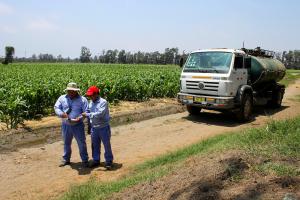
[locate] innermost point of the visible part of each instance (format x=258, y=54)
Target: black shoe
x=94, y=164
x=108, y=165
x=85, y=164
x=64, y=163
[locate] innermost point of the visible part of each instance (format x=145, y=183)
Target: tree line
x=291, y=58
x=169, y=56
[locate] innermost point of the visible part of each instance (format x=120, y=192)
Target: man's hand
x=64, y=115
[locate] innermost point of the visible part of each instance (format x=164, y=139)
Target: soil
x=217, y=176
x=33, y=172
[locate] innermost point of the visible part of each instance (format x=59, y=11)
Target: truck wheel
x=193, y=110
x=245, y=111
x=276, y=100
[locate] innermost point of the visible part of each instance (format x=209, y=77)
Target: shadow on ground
x=86, y=170
x=81, y=169
x=228, y=119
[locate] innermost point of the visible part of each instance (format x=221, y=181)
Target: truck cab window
x=208, y=62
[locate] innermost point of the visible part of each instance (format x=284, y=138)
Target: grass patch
x=97, y=190
x=182, y=154
x=280, y=139
x=278, y=169
x=277, y=138
x=290, y=77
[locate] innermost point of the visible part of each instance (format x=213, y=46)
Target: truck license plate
x=199, y=99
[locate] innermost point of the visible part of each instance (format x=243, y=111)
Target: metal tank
x=265, y=70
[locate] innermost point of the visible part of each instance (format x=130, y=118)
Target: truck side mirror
x=181, y=62
x=248, y=62
x=238, y=62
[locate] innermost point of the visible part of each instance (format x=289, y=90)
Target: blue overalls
x=100, y=129
x=71, y=129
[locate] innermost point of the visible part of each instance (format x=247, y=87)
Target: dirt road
x=33, y=173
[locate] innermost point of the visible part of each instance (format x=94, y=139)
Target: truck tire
x=245, y=111
x=193, y=110
x=276, y=100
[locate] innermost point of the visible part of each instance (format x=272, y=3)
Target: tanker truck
x=231, y=80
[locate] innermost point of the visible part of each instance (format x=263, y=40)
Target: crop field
x=27, y=90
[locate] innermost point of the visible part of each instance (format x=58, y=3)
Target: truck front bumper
x=207, y=102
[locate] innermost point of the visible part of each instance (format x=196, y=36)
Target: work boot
x=94, y=164
x=64, y=163
x=85, y=164
x=108, y=165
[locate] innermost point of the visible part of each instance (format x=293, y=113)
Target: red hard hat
x=92, y=90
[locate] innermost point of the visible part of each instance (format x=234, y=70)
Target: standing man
x=98, y=116
x=70, y=107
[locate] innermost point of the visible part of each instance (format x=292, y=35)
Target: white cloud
x=5, y=9
x=41, y=25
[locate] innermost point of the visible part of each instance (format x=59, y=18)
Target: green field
x=30, y=89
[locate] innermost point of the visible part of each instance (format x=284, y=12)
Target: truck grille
x=202, y=85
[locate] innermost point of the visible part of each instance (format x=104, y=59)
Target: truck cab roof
x=220, y=50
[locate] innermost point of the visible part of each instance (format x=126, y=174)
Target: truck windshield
x=208, y=62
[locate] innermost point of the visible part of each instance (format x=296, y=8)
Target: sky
x=64, y=26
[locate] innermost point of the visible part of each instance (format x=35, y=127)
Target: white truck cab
x=217, y=79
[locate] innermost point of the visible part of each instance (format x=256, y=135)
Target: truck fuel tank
x=264, y=69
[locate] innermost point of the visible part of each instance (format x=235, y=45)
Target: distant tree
x=85, y=55
x=278, y=56
x=33, y=58
x=291, y=59
x=129, y=58
x=297, y=56
x=59, y=58
x=283, y=56
x=95, y=59
x=115, y=56
x=9, y=53
x=170, y=55
x=46, y=57
x=139, y=57
x=122, y=57
x=156, y=57
x=108, y=57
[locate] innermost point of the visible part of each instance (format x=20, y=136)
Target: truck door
x=239, y=73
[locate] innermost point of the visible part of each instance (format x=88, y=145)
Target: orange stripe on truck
x=203, y=77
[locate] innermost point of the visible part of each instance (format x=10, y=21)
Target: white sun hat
x=72, y=86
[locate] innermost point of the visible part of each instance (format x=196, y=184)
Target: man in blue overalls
x=70, y=107
x=99, y=118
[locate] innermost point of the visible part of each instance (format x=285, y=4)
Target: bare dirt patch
x=217, y=176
